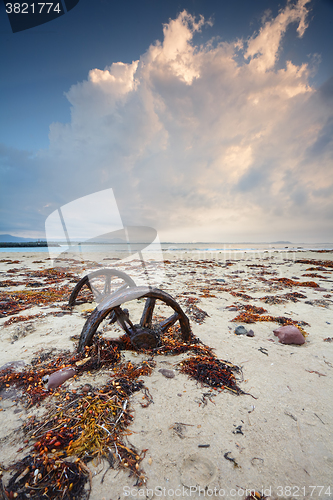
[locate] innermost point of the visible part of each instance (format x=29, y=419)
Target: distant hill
x=281, y=243
x=8, y=238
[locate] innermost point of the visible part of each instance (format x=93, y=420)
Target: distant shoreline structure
x=27, y=244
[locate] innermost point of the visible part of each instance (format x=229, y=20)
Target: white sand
x=287, y=430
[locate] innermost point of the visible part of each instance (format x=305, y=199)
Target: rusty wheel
x=144, y=334
x=102, y=283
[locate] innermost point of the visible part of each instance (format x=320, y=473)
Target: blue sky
x=211, y=120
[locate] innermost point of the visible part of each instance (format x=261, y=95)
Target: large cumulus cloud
x=201, y=142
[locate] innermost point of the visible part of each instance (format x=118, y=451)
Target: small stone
x=59, y=377
x=14, y=365
x=240, y=330
x=289, y=334
x=167, y=373
x=250, y=333
x=86, y=388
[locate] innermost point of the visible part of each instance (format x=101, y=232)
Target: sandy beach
x=275, y=440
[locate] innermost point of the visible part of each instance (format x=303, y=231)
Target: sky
x=209, y=120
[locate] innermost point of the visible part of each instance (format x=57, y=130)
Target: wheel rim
x=104, y=287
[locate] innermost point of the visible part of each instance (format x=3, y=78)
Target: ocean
x=202, y=247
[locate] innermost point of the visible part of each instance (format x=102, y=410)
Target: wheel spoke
x=107, y=285
x=112, y=317
x=97, y=293
x=147, y=314
x=122, y=319
x=165, y=324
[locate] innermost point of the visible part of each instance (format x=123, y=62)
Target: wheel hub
x=144, y=338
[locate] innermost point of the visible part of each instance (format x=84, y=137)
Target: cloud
x=263, y=48
x=201, y=141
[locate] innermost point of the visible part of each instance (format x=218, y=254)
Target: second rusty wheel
x=102, y=283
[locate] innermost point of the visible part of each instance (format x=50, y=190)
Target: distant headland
x=9, y=241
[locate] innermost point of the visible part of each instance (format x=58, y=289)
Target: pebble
x=13, y=364
x=59, y=377
x=289, y=334
x=167, y=373
x=250, y=333
x=86, y=388
x=240, y=330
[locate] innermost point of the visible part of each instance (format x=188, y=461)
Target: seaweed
x=82, y=427
x=288, y=282
x=242, y=295
x=14, y=302
x=314, y=262
x=47, y=477
x=212, y=372
x=31, y=379
x=196, y=314
x=19, y=319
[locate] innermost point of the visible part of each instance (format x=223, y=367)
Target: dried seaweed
x=13, y=302
x=196, y=314
x=19, y=319
x=48, y=477
x=212, y=372
x=280, y=299
x=206, y=292
x=294, y=296
x=314, y=262
x=254, y=309
x=255, y=496
x=31, y=379
x=315, y=275
x=288, y=282
x=242, y=295
x=9, y=283
x=85, y=427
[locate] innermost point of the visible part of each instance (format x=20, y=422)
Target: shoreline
x=285, y=433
